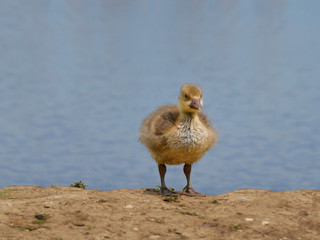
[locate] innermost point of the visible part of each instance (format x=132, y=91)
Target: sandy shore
x=56, y=213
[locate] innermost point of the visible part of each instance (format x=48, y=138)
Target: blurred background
x=77, y=77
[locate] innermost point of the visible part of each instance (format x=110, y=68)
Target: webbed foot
x=166, y=192
x=189, y=191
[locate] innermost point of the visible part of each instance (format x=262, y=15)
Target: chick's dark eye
x=186, y=96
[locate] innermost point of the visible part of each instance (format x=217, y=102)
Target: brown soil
x=31, y=212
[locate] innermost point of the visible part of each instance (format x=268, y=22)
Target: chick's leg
x=188, y=190
x=164, y=190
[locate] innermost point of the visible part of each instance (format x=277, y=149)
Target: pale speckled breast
x=187, y=143
x=188, y=137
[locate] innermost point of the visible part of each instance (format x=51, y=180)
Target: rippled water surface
x=77, y=78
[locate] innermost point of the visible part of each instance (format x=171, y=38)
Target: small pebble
x=79, y=224
x=264, y=222
x=128, y=206
x=154, y=236
x=244, y=198
x=249, y=219
x=136, y=229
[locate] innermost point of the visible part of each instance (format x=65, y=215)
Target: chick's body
x=174, y=138
x=178, y=134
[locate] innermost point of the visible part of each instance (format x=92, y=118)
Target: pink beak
x=195, y=104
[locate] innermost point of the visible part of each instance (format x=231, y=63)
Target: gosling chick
x=176, y=134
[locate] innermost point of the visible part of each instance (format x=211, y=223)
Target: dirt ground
x=56, y=213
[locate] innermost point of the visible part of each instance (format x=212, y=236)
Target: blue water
x=77, y=78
